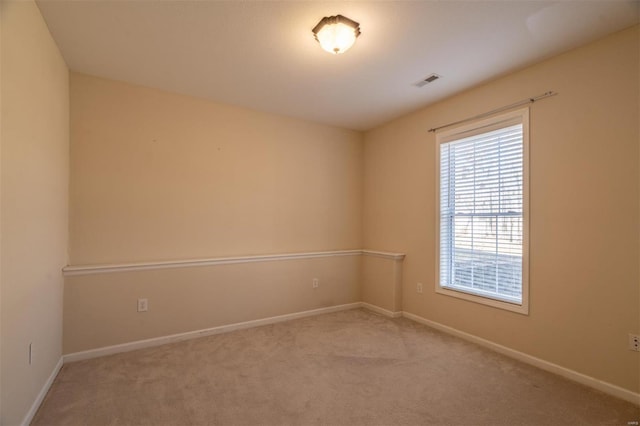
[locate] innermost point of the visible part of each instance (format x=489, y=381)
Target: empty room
x=308, y=212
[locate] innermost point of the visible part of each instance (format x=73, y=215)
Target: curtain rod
x=493, y=111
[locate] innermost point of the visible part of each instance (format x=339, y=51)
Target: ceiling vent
x=427, y=80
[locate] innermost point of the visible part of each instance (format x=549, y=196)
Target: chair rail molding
x=71, y=270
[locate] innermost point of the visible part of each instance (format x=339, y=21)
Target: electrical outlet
x=634, y=342
x=315, y=283
x=143, y=305
x=419, y=287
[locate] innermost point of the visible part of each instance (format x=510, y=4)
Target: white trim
x=381, y=311
x=43, y=392
x=385, y=254
x=592, y=382
x=483, y=300
x=71, y=270
x=567, y=373
x=518, y=116
x=157, y=341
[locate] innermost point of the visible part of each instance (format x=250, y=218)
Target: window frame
x=470, y=129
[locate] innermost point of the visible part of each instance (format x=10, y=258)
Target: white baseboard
x=380, y=310
x=592, y=382
x=43, y=392
x=157, y=341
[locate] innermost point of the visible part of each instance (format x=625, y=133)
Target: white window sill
x=522, y=308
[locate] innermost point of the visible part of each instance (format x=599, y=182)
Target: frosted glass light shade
x=336, y=34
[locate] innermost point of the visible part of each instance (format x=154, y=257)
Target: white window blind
x=481, y=212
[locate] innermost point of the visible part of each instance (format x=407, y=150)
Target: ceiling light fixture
x=336, y=34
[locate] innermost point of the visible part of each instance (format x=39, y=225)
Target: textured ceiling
x=262, y=54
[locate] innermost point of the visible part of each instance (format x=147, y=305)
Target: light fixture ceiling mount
x=336, y=34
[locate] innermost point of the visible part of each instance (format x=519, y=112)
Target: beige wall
x=584, y=209
x=34, y=195
x=158, y=176
x=381, y=282
x=100, y=310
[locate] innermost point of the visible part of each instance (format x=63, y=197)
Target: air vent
x=427, y=80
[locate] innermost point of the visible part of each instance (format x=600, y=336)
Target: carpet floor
x=345, y=368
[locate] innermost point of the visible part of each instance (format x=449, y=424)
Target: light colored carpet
x=346, y=368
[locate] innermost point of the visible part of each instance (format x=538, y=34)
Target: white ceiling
x=262, y=54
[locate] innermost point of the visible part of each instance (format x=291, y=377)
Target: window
x=482, y=250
